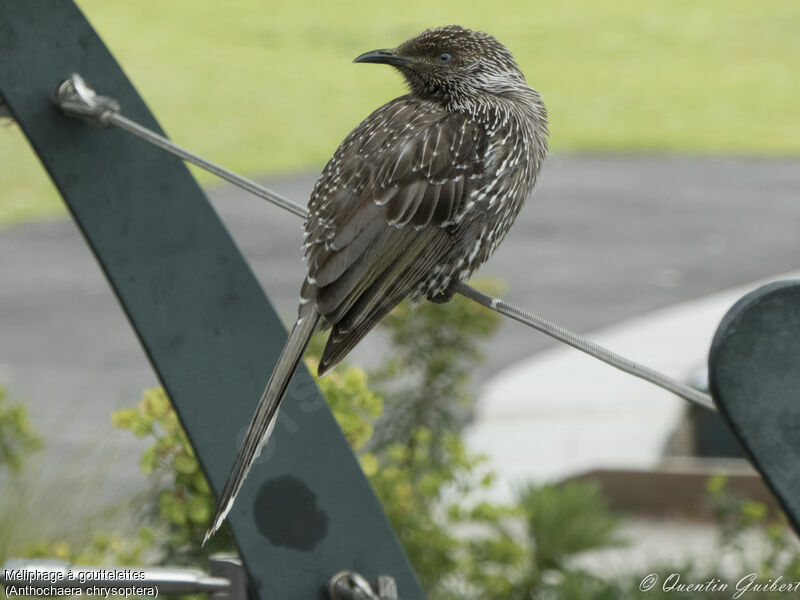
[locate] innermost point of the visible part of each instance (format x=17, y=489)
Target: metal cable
x=117, y=119
x=77, y=99
x=579, y=342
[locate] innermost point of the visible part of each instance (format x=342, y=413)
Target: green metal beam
x=306, y=511
x=754, y=375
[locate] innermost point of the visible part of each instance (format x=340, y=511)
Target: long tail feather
x=263, y=422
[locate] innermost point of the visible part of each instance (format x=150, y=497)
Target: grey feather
x=263, y=421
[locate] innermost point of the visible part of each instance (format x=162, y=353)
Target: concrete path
x=602, y=241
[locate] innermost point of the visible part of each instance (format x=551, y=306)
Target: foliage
x=17, y=439
x=465, y=547
x=675, y=76
x=17, y=442
x=425, y=381
x=355, y=406
x=751, y=541
x=423, y=499
x=184, y=502
x=562, y=522
x=565, y=520
x=737, y=517
x=19, y=522
x=101, y=549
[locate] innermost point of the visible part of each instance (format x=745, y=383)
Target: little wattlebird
x=415, y=199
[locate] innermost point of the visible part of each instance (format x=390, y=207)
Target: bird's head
x=451, y=62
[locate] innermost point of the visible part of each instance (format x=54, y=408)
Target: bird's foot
x=442, y=296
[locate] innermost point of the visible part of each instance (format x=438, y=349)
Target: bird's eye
x=444, y=58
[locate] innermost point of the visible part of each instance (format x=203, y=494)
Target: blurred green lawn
x=268, y=87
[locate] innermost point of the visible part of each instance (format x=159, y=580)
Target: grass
x=268, y=87
x=54, y=504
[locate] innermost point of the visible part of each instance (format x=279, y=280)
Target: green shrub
x=426, y=381
x=183, y=503
x=17, y=439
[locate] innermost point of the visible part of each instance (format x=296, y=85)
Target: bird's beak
x=386, y=57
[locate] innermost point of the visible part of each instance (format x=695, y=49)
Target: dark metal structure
x=754, y=376
x=204, y=322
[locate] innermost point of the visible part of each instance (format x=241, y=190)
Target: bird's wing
x=381, y=213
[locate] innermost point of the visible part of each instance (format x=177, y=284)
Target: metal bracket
x=77, y=99
x=229, y=567
x=347, y=585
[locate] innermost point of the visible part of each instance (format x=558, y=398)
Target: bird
x=413, y=201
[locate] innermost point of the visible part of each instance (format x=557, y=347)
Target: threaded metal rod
x=579, y=342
